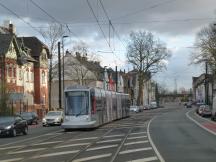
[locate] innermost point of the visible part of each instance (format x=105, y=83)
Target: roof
x=35, y=45
x=5, y=41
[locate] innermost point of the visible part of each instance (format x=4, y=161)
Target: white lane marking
x=138, y=133
x=28, y=139
x=136, y=137
x=12, y=147
x=138, y=142
x=46, y=143
x=25, y=151
x=107, y=141
x=55, y=154
x=135, y=150
x=71, y=145
x=102, y=147
x=145, y=159
x=11, y=160
x=200, y=125
x=116, y=135
x=152, y=143
x=80, y=139
x=92, y=157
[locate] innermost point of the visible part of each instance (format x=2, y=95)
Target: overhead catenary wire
x=14, y=13
x=104, y=35
x=52, y=17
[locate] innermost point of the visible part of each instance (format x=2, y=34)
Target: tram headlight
x=44, y=120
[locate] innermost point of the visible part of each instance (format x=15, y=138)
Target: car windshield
x=54, y=113
x=6, y=119
x=77, y=103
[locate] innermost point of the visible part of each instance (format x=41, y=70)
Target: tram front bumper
x=80, y=124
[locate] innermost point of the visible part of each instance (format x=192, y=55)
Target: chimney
x=11, y=28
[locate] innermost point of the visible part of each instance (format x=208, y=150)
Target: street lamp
x=65, y=36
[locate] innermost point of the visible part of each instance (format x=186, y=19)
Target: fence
x=17, y=107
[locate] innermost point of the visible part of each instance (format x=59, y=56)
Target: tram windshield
x=77, y=103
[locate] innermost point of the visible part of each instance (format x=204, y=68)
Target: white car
x=153, y=105
x=135, y=109
x=53, y=118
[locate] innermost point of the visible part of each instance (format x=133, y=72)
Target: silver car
x=53, y=118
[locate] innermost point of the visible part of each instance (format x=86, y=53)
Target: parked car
x=146, y=107
x=204, y=110
x=53, y=118
x=13, y=125
x=30, y=117
x=153, y=105
x=135, y=109
x=188, y=105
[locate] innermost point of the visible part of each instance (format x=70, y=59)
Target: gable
x=11, y=53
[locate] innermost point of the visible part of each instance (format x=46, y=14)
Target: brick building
x=24, y=71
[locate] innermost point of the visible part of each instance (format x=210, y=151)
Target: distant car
x=30, y=117
x=153, y=105
x=13, y=125
x=146, y=107
x=53, y=118
x=204, y=110
x=135, y=109
x=188, y=105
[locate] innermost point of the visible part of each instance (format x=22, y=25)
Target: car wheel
x=25, y=131
x=13, y=133
x=36, y=122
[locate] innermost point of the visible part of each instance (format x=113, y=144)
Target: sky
x=175, y=22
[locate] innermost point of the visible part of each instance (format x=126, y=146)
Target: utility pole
x=206, y=83
x=59, y=73
x=116, y=79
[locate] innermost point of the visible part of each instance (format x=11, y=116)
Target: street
x=173, y=137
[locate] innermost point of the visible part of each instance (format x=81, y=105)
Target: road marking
x=145, y=159
x=11, y=160
x=116, y=135
x=135, y=150
x=138, y=142
x=12, y=147
x=80, y=139
x=71, y=145
x=55, y=154
x=138, y=133
x=25, y=151
x=46, y=143
x=136, y=137
x=200, y=125
x=102, y=147
x=107, y=141
x=26, y=139
x=92, y=157
x=152, y=143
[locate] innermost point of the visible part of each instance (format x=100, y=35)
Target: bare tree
x=206, y=47
x=51, y=36
x=147, y=54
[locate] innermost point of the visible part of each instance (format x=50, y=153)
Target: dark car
x=188, y=105
x=13, y=125
x=30, y=117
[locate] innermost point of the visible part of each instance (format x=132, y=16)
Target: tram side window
x=77, y=103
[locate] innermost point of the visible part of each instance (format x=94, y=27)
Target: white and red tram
x=91, y=107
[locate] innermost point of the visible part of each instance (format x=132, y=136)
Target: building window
x=20, y=74
x=27, y=75
x=32, y=76
x=43, y=77
x=14, y=71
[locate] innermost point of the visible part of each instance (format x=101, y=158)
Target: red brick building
x=24, y=71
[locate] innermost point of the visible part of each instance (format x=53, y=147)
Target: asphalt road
x=165, y=133
x=119, y=141
x=179, y=138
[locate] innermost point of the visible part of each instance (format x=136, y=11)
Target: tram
x=92, y=107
